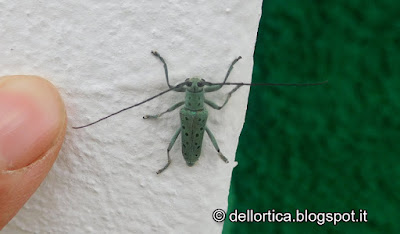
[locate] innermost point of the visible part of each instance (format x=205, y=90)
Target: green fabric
x=329, y=148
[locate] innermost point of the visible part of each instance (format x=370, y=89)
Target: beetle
x=193, y=115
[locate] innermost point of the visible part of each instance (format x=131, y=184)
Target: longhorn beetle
x=193, y=115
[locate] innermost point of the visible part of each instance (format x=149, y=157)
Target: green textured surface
x=328, y=148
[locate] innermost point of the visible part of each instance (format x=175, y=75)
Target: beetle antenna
x=269, y=84
x=130, y=107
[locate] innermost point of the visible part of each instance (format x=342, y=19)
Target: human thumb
x=32, y=129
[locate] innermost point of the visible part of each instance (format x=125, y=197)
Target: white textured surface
x=98, y=54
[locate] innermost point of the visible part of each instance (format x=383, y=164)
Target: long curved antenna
x=269, y=84
x=130, y=107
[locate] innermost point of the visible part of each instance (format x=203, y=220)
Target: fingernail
x=30, y=115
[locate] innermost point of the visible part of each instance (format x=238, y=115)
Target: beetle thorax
x=194, y=101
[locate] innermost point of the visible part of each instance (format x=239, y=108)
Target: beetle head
x=194, y=84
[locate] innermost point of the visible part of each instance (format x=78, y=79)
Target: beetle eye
x=188, y=84
x=200, y=84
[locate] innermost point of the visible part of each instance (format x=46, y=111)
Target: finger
x=32, y=129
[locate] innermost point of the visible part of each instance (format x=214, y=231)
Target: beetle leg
x=217, y=87
x=215, y=106
x=155, y=53
x=214, y=142
x=169, y=148
x=160, y=114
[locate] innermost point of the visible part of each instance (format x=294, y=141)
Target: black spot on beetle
x=197, y=135
x=186, y=134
